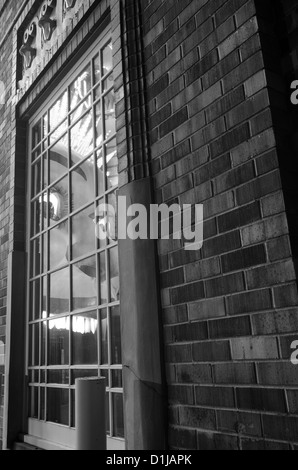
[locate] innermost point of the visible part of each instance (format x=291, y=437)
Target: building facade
x=160, y=102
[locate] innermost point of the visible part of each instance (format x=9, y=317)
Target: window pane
x=35, y=261
x=81, y=137
x=83, y=184
x=84, y=106
x=57, y=203
x=116, y=336
x=100, y=173
x=35, y=299
x=109, y=110
x=58, y=377
x=36, y=178
x=59, y=245
x=42, y=404
x=96, y=69
x=84, y=284
x=98, y=124
x=59, y=133
x=80, y=87
x=58, y=406
x=36, y=134
x=59, y=292
x=58, y=111
x=33, y=402
x=83, y=374
x=59, y=342
x=117, y=379
x=107, y=59
x=83, y=233
x=114, y=274
x=84, y=339
x=103, y=278
x=118, y=415
x=58, y=156
x=104, y=337
x=111, y=164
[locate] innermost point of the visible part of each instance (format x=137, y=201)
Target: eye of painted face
x=55, y=205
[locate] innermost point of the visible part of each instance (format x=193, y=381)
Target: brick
x=248, y=68
x=225, y=103
x=249, y=302
x=234, y=178
x=259, y=187
x=219, y=70
x=174, y=315
x=176, y=354
x=202, y=270
x=271, y=275
x=259, y=399
x=234, y=373
x=206, y=309
x=247, y=11
x=267, y=162
x=247, y=424
x=194, y=374
x=285, y=296
x=229, y=140
x=241, y=35
x=229, y=328
x=217, y=397
x=224, y=285
x=192, y=161
x=255, y=83
x=284, y=321
x=252, y=444
x=222, y=244
x=182, y=438
x=212, y=352
x=183, y=184
x=219, y=204
x=255, y=146
x=272, y=204
x=176, y=153
x=279, y=249
x=292, y=396
x=244, y=258
x=189, y=332
x=210, y=441
x=213, y=169
x=259, y=124
x=281, y=427
x=181, y=394
x=188, y=293
x=277, y=373
x=197, y=417
x=159, y=86
x=205, y=99
x=254, y=348
x=173, y=122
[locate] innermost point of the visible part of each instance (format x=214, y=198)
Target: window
x=73, y=307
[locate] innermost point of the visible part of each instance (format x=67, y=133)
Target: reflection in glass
x=58, y=112
x=109, y=110
x=34, y=332
x=58, y=242
x=80, y=87
x=83, y=184
x=42, y=404
x=33, y=402
x=36, y=134
x=58, y=156
x=117, y=400
x=117, y=379
x=82, y=374
x=98, y=124
x=36, y=217
x=58, y=406
x=59, y=342
x=84, y=339
x=59, y=377
x=43, y=343
x=108, y=424
x=58, y=133
x=83, y=233
x=81, y=137
x=107, y=58
x=35, y=295
x=104, y=337
x=96, y=69
x=59, y=292
x=112, y=164
x=84, y=284
x=114, y=274
x=103, y=278
x=84, y=106
x=35, y=261
x=36, y=178
x=100, y=173
x=108, y=83
x=116, y=336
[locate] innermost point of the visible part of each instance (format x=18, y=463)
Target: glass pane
x=98, y=124
x=35, y=298
x=58, y=205
x=80, y=87
x=36, y=178
x=59, y=292
x=107, y=58
x=83, y=233
x=118, y=419
x=34, y=334
x=45, y=125
x=83, y=184
x=108, y=83
x=73, y=408
x=58, y=377
x=44, y=290
x=44, y=260
x=42, y=404
x=58, y=406
x=84, y=339
x=43, y=376
x=117, y=379
x=58, y=156
x=84, y=284
x=108, y=424
x=37, y=153
x=111, y=164
x=43, y=343
x=83, y=374
x=104, y=373
x=59, y=245
x=112, y=202
x=116, y=336
x=81, y=109
x=33, y=402
x=104, y=337
x=109, y=110
x=35, y=261
x=100, y=173
x=36, y=217
x=103, y=278
x=59, y=133
x=81, y=137
x=105, y=220
x=58, y=112
x=114, y=274
x=36, y=134
x=59, y=342
x=96, y=68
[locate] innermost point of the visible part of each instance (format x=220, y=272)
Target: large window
x=73, y=307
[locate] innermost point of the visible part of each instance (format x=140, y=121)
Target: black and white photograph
x=148, y=228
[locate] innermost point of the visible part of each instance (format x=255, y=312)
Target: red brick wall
x=228, y=310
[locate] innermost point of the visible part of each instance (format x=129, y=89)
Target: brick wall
x=229, y=311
